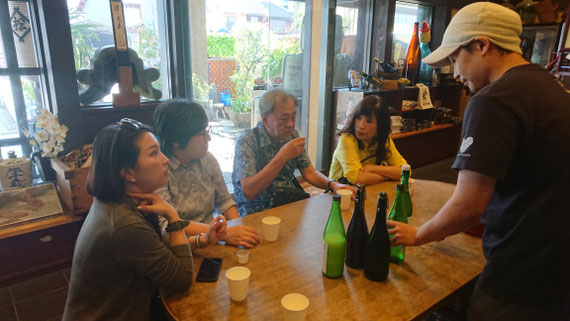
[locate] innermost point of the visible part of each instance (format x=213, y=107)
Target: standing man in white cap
x=513, y=170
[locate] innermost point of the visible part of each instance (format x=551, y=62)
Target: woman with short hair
x=120, y=260
x=196, y=187
x=365, y=153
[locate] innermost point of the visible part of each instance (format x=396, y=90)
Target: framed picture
x=537, y=41
x=346, y=101
x=19, y=206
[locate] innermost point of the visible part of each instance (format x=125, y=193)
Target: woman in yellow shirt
x=357, y=157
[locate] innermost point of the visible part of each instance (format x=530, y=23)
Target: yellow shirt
x=346, y=160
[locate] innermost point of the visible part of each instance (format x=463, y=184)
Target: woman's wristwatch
x=176, y=226
x=198, y=244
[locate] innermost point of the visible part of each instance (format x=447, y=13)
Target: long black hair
x=372, y=106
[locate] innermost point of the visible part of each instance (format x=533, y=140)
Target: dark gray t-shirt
x=517, y=129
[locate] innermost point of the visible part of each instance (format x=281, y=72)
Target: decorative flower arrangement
x=49, y=135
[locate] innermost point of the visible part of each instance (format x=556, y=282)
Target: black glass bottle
x=357, y=232
x=377, y=255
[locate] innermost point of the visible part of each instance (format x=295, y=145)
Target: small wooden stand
x=126, y=96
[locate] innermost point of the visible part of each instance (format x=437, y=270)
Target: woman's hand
x=216, y=230
x=241, y=235
x=152, y=203
x=402, y=234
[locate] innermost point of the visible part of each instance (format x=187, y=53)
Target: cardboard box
x=72, y=186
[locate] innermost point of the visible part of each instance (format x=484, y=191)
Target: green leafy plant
x=274, y=66
x=250, y=57
x=200, y=88
x=82, y=35
x=220, y=46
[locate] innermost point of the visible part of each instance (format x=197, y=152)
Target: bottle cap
x=336, y=198
x=399, y=187
x=382, y=195
x=425, y=27
x=406, y=167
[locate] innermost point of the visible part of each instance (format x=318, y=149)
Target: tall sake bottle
x=377, y=261
x=413, y=57
x=397, y=253
x=406, y=197
x=357, y=232
x=334, y=241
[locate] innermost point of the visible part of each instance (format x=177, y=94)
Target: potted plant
x=47, y=142
x=240, y=114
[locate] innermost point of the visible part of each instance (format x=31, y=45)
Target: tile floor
x=42, y=298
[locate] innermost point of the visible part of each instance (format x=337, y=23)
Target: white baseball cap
x=502, y=26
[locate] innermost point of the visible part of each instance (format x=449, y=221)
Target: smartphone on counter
x=209, y=269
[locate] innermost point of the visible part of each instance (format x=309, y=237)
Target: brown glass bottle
x=357, y=232
x=414, y=57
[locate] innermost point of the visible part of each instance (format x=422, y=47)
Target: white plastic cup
x=294, y=307
x=345, y=197
x=238, y=282
x=243, y=256
x=271, y=228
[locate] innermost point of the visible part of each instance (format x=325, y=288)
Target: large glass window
x=406, y=15
x=92, y=31
x=350, y=40
x=240, y=49
x=21, y=79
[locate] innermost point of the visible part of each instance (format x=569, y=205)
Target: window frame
x=14, y=72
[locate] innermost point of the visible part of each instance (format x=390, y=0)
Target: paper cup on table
x=271, y=228
x=345, y=198
x=238, y=282
x=294, y=306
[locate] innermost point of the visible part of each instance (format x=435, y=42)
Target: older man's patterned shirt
x=197, y=190
x=245, y=166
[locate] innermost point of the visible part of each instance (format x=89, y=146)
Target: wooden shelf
x=422, y=131
x=47, y=223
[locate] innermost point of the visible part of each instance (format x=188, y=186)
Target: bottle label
x=325, y=257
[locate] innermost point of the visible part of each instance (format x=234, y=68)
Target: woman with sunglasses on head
x=121, y=256
x=196, y=187
x=365, y=153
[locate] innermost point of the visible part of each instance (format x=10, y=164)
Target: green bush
x=285, y=47
x=220, y=46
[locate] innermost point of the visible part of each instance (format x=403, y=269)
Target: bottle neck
x=380, y=221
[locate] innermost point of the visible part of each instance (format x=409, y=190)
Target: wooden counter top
x=293, y=263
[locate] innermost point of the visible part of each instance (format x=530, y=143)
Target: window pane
x=22, y=30
x=91, y=29
x=8, y=122
x=31, y=85
x=349, y=40
x=406, y=15
x=240, y=49
x=2, y=55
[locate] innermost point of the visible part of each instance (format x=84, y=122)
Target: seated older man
x=267, y=155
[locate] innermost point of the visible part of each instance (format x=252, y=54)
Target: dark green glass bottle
x=406, y=198
x=397, y=253
x=357, y=232
x=377, y=260
x=334, y=241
